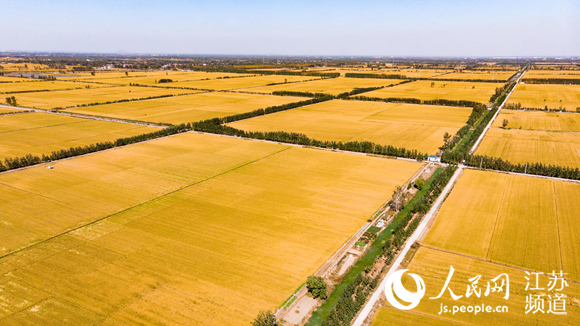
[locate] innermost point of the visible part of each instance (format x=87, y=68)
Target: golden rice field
x=517, y=220
x=433, y=266
x=481, y=75
x=333, y=86
x=532, y=146
x=42, y=86
x=190, y=108
x=189, y=229
x=241, y=82
x=538, y=120
x=419, y=127
x=72, y=98
x=42, y=133
x=421, y=89
x=560, y=74
x=541, y=95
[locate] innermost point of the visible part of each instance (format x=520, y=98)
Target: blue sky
x=376, y=28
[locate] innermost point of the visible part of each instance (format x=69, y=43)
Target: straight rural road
x=365, y=312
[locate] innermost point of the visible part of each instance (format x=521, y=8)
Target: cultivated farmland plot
x=409, y=73
x=19, y=67
x=104, y=74
x=243, y=82
x=8, y=79
x=532, y=146
x=517, y=220
x=42, y=133
x=154, y=79
x=41, y=86
x=72, y=98
x=333, y=86
x=433, y=266
x=190, y=108
x=538, y=120
x=540, y=96
x=421, y=89
x=419, y=127
x=481, y=75
x=4, y=110
x=549, y=74
x=188, y=229
x=551, y=138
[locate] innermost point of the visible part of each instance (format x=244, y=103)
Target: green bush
x=316, y=286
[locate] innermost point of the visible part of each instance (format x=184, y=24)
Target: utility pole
x=481, y=163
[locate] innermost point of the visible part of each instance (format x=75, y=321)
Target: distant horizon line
x=285, y=56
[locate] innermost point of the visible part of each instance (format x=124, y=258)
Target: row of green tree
x=411, y=215
x=518, y=106
x=501, y=90
x=300, y=94
x=379, y=76
x=411, y=100
x=499, y=164
x=28, y=160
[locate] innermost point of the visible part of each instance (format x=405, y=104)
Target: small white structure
x=50, y=167
x=381, y=224
x=433, y=158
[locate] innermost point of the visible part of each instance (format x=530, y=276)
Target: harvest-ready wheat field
x=538, y=120
x=42, y=133
x=554, y=97
x=105, y=74
x=188, y=229
x=72, y=98
x=521, y=221
x=419, y=127
x=409, y=73
x=7, y=88
x=5, y=79
x=333, y=86
x=478, y=74
x=190, y=108
x=421, y=89
x=153, y=79
x=558, y=74
x=241, y=82
x=532, y=146
x=433, y=266
x=4, y=110
x=19, y=67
